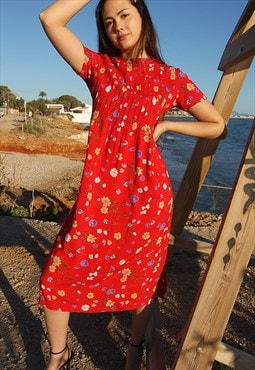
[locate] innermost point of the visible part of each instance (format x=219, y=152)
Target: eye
x=124, y=15
x=108, y=23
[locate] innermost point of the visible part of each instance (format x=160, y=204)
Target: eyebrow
x=105, y=19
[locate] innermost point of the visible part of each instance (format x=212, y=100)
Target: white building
x=81, y=114
x=57, y=108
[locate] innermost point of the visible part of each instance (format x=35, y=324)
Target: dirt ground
x=56, y=138
x=99, y=340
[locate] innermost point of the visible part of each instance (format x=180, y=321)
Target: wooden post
x=235, y=62
x=231, y=253
x=155, y=358
x=223, y=277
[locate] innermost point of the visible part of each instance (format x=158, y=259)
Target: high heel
x=66, y=365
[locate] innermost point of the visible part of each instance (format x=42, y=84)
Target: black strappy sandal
x=66, y=365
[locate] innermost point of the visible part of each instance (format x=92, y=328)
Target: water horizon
x=215, y=192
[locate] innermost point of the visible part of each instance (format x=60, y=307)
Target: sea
x=215, y=192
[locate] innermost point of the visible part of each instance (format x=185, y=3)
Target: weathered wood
x=224, y=100
x=234, y=357
x=222, y=280
x=200, y=344
x=189, y=244
x=243, y=23
x=241, y=44
x=155, y=358
x=230, y=86
x=203, y=153
x=239, y=50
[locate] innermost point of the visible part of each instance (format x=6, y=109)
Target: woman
x=110, y=253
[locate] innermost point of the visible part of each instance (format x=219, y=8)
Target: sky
x=192, y=35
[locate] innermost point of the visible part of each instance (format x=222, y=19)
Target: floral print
x=110, y=253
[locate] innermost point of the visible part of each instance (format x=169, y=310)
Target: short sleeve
x=188, y=94
x=92, y=64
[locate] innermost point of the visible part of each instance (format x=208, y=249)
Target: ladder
x=201, y=344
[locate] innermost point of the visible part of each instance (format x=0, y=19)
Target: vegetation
x=68, y=102
x=11, y=100
x=35, y=125
x=42, y=94
x=20, y=202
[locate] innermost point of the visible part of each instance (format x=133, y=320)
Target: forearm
x=60, y=12
x=209, y=130
x=209, y=123
x=54, y=20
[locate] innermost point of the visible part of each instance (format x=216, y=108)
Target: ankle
x=60, y=352
x=57, y=359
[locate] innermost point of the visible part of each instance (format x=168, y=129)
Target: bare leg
x=140, y=320
x=57, y=323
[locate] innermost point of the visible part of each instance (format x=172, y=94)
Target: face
x=123, y=25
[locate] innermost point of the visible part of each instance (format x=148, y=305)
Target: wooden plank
x=224, y=100
x=203, y=153
x=243, y=23
x=223, y=277
x=230, y=86
x=238, y=50
x=242, y=41
x=155, y=358
x=189, y=244
x=234, y=357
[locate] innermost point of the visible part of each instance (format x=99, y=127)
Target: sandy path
x=35, y=171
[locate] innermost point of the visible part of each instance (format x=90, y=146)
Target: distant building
x=56, y=108
x=81, y=114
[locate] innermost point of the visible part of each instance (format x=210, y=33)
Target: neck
x=134, y=52
x=128, y=55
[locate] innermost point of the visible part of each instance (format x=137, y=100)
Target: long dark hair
x=148, y=40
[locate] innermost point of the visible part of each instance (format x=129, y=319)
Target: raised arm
x=209, y=124
x=54, y=20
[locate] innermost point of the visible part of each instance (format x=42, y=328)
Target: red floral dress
x=110, y=253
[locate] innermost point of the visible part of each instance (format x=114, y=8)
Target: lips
x=122, y=37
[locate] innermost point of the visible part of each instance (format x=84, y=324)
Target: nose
x=118, y=26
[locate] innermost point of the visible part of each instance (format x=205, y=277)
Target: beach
x=46, y=171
